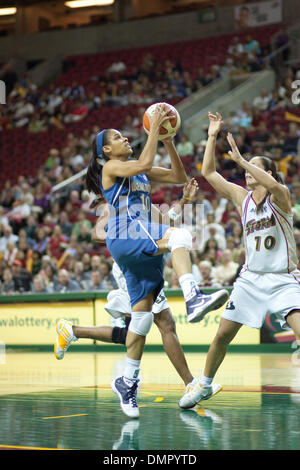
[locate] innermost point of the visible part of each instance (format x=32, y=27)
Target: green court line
x=75, y=296
x=200, y=348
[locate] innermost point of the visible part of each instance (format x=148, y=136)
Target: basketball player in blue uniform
x=269, y=282
x=137, y=244
x=118, y=302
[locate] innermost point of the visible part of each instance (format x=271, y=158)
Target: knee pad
x=119, y=335
x=180, y=238
x=141, y=323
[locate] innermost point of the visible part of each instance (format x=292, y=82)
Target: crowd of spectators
x=39, y=109
x=45, y=238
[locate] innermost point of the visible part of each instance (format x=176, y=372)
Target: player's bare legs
x=126, y=385
x=166, y=325
x=204, y=389
x=293, y=320
x=99, y=333
x=172, y=347
x=135, y=343
x=218, y=348
x=179, y=243
x=181, y=259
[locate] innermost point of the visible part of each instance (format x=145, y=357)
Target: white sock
x=132, y=368
x=187, y=283
x=206, y=381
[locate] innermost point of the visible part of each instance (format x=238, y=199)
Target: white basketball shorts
x=256, y=295
x=118, y=303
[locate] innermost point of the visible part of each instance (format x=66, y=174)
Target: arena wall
x=27, y=320
x=113, y=36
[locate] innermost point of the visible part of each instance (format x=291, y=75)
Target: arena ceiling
x=7, y=3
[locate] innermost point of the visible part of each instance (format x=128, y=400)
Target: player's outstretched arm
x=228, y=190
x=189, y=190
x=280, y=193
x=176, y=174
x=117, y=168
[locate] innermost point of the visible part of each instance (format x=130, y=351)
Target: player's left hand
x=190, y=188
x=167, y=140
x=234, y=152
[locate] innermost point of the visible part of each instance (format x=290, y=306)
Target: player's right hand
x=215, y=124
x=190, y=188
x=158, y=117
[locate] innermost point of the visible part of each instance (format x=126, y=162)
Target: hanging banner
x=252, y=15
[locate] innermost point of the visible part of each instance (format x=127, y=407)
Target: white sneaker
x=191, y=385
x=64, y=338
x=196, y=392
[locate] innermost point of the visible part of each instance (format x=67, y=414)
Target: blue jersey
x=131, y=235
x=130, y=206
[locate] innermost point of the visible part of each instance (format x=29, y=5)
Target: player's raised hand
x=158, y=117
x=190, y=189
x=215, y=124
x=168, y=140
x=234, y=152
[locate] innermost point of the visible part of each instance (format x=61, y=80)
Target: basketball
x=170, y=127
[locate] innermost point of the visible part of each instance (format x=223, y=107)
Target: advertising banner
x=253, y=15
x=36, y=323
x=188, y=333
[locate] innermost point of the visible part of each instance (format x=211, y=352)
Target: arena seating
x=192, y=54
x=23, y=153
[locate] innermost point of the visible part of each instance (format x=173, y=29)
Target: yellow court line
x=30, y=448
x=151, y=394
x=66, y=416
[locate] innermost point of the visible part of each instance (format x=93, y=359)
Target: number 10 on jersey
x=269, y=242
x=146, y=202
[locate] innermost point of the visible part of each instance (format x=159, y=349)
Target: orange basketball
x=170, y=127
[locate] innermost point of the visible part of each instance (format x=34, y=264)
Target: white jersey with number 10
x=268, y=236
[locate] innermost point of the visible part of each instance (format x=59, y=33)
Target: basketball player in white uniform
x=269, y=282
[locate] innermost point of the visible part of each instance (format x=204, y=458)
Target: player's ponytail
x=98, y=159
x=269, y=165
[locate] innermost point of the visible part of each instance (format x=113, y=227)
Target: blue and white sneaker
x=126, y=389
x=200, y=304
